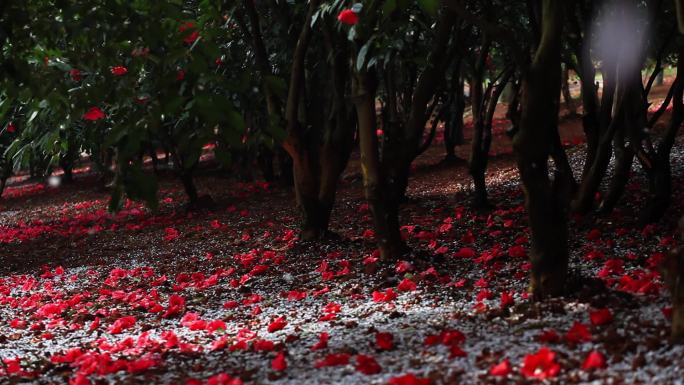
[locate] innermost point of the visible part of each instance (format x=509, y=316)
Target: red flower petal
x=279, y=364
x=367, y=365
x=119, y=70
x=277, y=324
x=384, y=341
x=540, y=365
x=600, y=317
x=501, y=369
x=594, y=360
x=408, y=379
x=406, y=285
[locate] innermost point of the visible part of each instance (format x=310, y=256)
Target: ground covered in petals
x=230, y=296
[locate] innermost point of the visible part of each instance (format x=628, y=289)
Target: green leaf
x=235, y=121
x=32, y=116
x=361, y=57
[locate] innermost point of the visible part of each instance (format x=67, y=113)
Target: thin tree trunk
x=631, y=131
x=385, y=216
x=265, y=160
x=590, y=106
x=261, y=57
x=481, y=144
x=304, y=159
x=673, y=275
x=533, y=146
x=481, y=141
x=424, y=91
x=189, y=186
x=602, y=151
x=624, y=156
x=565, y=89
x=453, y=126
x=659, y=172
x=3, y=184
x=513, y=111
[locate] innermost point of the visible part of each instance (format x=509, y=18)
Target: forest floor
x=230, y=295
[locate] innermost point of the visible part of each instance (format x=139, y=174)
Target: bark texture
x=535, y=143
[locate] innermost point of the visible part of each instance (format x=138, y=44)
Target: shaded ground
x=171, y=297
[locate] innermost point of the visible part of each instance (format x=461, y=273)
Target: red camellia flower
x=176, y=306
x=600, y=317
x=384, y=341
x=501, y=369
x=465, y=252
x=548, y=337
x=75, y=75
x=189, y=26
x=408, y=379
x=507, y=299
x=347, y=16
x=578, y=333
x=407, y=285
x=119, y=70
x=386, y=296
x=367, y=365
x=263, y=345
x=594, y=360
x=279, y=364
x=277, y=324
x=540, y=365
x=194, y=35
x=334, y=359
x=322, y=341
x=11, y=128
x=93, y=114
x=180, y=75
x=121, y=324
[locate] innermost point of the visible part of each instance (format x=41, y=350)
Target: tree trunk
x=273, y=104
x=673, y=275
x=659, y=172
x=513, y=110
x=383, y=209
x=189, y=186
x=624, y=155
x=306, y=192
x=533, y=146
x=453, y=125
x=565, y=89
x=319, y=145
x=482, y=137
x=601, y=151
x=265, y=160
x=297, y=144
x=68, y=168
x=3, y=183
x=590, y=106
x=481, y=141
x=408, y=144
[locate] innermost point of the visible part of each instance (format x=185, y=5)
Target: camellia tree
x=250, y=81
x=122, y=85
x=408, y=89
